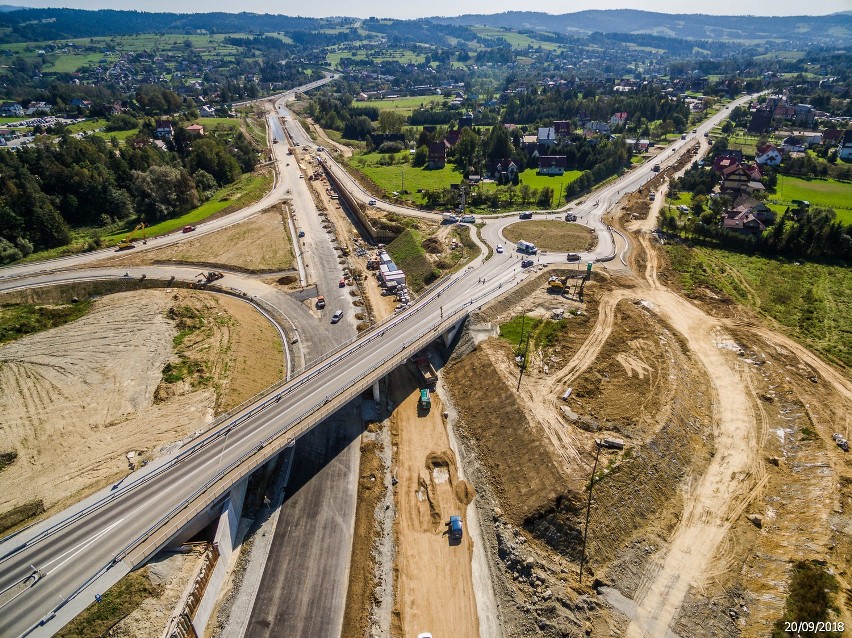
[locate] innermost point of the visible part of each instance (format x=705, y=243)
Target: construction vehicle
x=557, y=284
x=841, y=441
x=456, y=529
x=127, y=242
x=430, y=377
x=425, y=403
x=527, y=247
x=210, y=276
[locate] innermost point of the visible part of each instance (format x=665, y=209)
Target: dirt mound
x=465, y=493
x=522, y=466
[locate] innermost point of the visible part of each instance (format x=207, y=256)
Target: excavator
x=127, y=242
x=209, y=277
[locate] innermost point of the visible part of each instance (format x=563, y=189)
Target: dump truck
x=430, y=377
x=425, y=403
x=456, y=529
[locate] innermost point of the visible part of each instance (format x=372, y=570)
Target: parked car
x=526, y=263
x=372, y=202
x=342, y=283
x=499, y=248
x=570, y=217
x=526, y=215
x=301, y=233
x=573, y=257
x=337, y=316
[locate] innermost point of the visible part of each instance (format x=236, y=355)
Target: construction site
x=593, y=455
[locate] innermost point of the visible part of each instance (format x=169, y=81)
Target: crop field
x=403, y=56
x=71, y=62
x=810, y=300
x=516, y=40
x=826, y=193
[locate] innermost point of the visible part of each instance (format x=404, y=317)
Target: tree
x=211, y=157
x=390, y=121
x=420, y=156
x=162, y=191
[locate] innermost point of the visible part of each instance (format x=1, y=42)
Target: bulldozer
x=127, y=242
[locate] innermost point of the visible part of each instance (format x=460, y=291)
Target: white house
x=11, y=109
x=768, y=155
x=207, y=111
x=844, y=149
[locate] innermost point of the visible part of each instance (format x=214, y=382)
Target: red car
x=342, y=283
x=188, y=229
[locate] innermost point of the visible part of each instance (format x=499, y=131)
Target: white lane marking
x=79, y=548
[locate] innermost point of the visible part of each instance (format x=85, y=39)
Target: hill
x=835, y=28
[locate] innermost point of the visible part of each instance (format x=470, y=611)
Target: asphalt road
x=303, y=589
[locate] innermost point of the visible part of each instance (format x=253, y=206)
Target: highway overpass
x=60, y=564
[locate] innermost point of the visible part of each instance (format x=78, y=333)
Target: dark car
x=573, y=257
x=526, y=215
x=570, y=217
x=526, y=263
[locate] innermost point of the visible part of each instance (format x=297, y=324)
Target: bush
x=391, y=147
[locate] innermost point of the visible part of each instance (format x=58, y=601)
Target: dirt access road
x=434, y=587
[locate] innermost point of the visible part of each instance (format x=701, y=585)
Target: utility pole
x=524, y=362
x=402, y=188
x=589, y=510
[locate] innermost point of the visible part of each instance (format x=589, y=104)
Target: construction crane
x=209, y=277
x=127, y=242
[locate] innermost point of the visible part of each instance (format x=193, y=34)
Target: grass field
x=69, y=63
x=811, y=300
x=402, y=176
x=552, y=235
x=826, y=193
x=25, y=319
x=121, y=136
x=11, y=120
x=406, y=105
x=408, y=253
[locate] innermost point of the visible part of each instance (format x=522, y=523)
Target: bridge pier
x=225, y=543
x=376, y=395
x=451, y=333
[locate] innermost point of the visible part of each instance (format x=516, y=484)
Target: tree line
x=49, y=189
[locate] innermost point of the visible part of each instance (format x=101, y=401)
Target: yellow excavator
x=557, y=284
x=127, y=242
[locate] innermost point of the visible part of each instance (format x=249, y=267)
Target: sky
x=414, y=9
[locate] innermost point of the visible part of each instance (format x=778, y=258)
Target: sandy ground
x=434, y=588
x=260, y=243
x=75, y=400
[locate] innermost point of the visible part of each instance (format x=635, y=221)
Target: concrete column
x=376, y=396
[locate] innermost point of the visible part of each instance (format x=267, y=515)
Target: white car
x=499, y=248
x=337, y=316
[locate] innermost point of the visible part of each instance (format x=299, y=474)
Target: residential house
x=768, y=155
x=552, y=164
x=207, y=111
x=747, y=224
x=737, y=176
x=804, y=114
x=452, y=138
x=466, y=121
x=530, y=143
x=761, y=121
x=11, y=109
x=831, y=135
x=844, y=147
x=361, y=97
x=546, y=136
x=195, y=130
x=783, y=112
x=793, y=144
x=164, y=130
x=746, y=204
x=562, y=128
x=37, y=107
x=619, y=119
x=596, y=128
x=502, y=171
x=437, y=154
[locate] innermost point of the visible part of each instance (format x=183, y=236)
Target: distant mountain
x=8, y=7
x=836, y=28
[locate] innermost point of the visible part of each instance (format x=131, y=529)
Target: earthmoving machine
x=557, y=284
x=430, y=377
x=127, y=242
x=425, y=403
x=210, y=276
